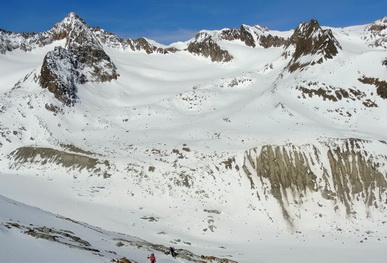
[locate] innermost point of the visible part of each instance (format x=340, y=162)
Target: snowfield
x=161, y=156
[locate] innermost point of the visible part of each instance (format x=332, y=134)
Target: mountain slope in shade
x=277, y=136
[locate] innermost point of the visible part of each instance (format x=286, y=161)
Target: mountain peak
x=378, y=33
x=75, y=30
x=306, y=29
x=378, y=26
x=72, y=15
x=70, y=22
x=73, y=19
x=311, y=39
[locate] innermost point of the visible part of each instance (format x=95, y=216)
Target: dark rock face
x=59, y=74
x=143, y=44
x=206, y=46
x=62, y=69
x=311, y=39
x=96, y=62
x=242, y=34
x=381, y=85
x=271, y=41
x=246, y=35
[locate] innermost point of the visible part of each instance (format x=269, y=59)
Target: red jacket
x=152, y=259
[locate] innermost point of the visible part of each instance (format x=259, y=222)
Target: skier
x=152, y=258
x=172, y=251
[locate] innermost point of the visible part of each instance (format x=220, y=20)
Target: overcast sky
x=169, y=21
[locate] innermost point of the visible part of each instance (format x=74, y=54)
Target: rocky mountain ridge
x=310, y=39
x=72, y=29
x=86, y=59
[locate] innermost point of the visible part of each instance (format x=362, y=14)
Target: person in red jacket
x=152, y=258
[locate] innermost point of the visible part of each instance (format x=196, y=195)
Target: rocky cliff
x=256, y=36
x=309, y=39
x=205, y=45
x=378, y=36
x=341, y=174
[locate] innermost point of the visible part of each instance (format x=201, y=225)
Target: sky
x=168, y=21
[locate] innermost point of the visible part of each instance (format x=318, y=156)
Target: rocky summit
x=232, y=137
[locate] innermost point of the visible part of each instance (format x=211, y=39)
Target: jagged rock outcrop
x=204, y=44
x=10, y=41
x=253, y=36
x=381, y=85
x=344, y=175
x=60, y=74
x=269, y=40
x=309, y=39
x=378, y=36
x=41, y=156
x=143, y=44
x=242, y=34
x=140, y=44
x=75, y=29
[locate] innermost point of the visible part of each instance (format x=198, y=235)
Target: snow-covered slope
x=238, y=136
x=31, y=234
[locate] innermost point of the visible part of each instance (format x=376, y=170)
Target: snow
x=24, y=217
x=260, y=245
x=250, y=243
x=163, y=107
